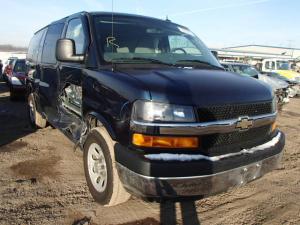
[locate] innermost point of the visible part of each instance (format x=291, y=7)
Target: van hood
x=273, y=82
x=201, y=87
x=288, y=74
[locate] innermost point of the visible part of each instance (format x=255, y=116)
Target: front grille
x=224, y=112
x=219, y=144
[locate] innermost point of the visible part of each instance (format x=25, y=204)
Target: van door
x=71, y=81
x=49, y=81
x=266, y=66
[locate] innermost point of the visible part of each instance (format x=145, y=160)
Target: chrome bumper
x=172, y=187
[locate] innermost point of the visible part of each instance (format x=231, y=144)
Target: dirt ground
x=42, y=182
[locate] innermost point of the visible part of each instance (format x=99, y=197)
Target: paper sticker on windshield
x=110, y=41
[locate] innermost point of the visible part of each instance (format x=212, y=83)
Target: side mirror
x=66, y=51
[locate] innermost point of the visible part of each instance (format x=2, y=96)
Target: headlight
x=15, y=81
x=274, y=105
x=146, y=111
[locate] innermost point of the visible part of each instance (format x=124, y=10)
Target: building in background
x=254, y=54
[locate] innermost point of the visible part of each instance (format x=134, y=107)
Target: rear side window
x=53, y=34
x=34, y=46
x=76, y=33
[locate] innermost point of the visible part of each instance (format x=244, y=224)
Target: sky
x=219, y=23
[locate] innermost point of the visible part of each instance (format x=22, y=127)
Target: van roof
x=116, y=14
x=235, y=63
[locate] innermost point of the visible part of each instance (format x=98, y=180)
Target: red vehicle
x=16, y=78
x=8, y=67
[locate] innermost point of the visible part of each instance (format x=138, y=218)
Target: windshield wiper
x=133, y=59
x=197, y=62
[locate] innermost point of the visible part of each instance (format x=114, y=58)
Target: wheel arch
x=94, y=119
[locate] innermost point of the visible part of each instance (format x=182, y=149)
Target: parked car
x=153, y=110
x=7, y=67
x=16, y=79
x=279, y=86
x=294, y=85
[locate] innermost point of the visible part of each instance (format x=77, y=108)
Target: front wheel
x=35, y=118
x=100, y=171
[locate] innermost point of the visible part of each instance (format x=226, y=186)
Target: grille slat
x=218, y=144
x=224, y=112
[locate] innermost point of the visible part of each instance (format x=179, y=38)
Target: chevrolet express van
x=155, y=113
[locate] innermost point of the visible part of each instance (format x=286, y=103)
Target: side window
x=273, y=66
x=268, y=65
x=53, y=34
x=41, y=45
x=75, y=32
x=34, y=46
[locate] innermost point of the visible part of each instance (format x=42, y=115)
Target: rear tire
x=12, y=94
x=35, y=118
x=100, y=170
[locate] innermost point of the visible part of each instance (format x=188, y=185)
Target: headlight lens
x=274, y=104
x=146, y=111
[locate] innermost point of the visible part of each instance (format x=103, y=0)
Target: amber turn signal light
x=164, y=142
x=274, y=126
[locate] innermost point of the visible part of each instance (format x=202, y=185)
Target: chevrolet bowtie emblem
x=244, y=123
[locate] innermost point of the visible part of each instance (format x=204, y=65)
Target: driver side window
x=76, y=33
x=182, y=45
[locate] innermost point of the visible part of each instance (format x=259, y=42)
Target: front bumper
x=294, y=90
x=18, y=88
x=210, y=183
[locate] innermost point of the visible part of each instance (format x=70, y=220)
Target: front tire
x=100, y=170
x=35, y=118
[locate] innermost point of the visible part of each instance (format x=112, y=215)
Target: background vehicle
x=280, y=87
x=281, y=67
x=294, y=85
x=16, y=79
x=153, y=110
x=7, y=67
x=1, y=68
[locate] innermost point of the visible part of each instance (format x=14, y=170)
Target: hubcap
x=31, y=110
x=97, y=167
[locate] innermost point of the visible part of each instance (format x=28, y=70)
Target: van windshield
x=20, y=66
x=283, y=65
x=139, y=40
x=245, y=70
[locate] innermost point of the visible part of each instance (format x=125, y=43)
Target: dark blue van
x=153, y=110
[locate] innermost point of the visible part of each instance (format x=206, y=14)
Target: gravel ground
x=42, y=182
